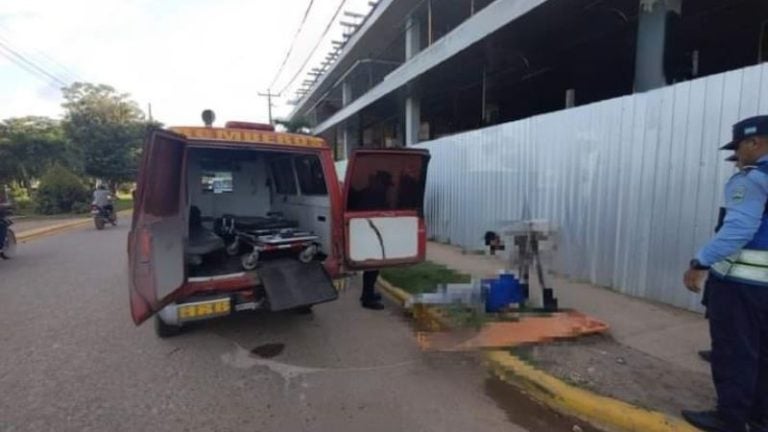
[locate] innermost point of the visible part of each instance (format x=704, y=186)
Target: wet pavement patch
x=530, y=414
x=269, y=350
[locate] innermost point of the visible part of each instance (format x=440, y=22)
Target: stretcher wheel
x=250, y=261
x=308, y=254
x=234, y=248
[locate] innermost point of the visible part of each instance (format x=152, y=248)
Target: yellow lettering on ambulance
x=268, y=138
x=299, y=140
x=228, y=135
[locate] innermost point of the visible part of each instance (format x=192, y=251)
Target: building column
x=412, y=120
x=346, y=93
x=412, y=37
x=350, y=137
x=651, y=42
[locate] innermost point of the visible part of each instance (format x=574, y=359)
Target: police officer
x=707, y=354
x=736, y=261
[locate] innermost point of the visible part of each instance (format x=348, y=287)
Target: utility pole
x=269, y=96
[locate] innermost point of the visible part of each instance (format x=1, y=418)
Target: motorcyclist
x=102, y=198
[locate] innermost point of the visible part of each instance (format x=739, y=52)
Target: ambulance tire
x=163, y=330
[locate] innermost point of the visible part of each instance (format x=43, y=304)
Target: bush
x=20, y=198
x=61, y=191
x=125, y=189
x=81, y=207
x=18, y=194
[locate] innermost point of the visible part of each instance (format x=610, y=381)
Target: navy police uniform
x=737, y=259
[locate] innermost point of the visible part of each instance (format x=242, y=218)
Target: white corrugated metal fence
x=633, y=183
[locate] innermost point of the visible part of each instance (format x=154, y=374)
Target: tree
x=30, y=145
x=295, y=125
x=61, y=191
x=108, y=126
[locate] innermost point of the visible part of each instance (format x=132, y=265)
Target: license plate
x=204, y=309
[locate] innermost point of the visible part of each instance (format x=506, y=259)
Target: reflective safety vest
x=750, y=265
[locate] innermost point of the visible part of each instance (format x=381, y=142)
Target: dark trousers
x=738, y=325
x=369, y=285
x=3, y=231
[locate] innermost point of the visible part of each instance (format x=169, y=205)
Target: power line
x=31, y=64
x=18, y=63
x=319, y=40
x=69, y=73
x=293, y=42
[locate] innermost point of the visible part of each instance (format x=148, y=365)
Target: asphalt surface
x=72, y=360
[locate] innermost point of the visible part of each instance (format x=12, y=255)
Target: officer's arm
x=745, y=207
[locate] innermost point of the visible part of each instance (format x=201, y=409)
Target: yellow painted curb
x=427, y=317
x=604, y=412
x=396, y=293
x=45, y=231
x=49, y=230
x=599, y=410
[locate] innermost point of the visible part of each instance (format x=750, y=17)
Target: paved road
x=71, y=360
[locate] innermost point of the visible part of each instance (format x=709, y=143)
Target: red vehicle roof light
x=249, y=125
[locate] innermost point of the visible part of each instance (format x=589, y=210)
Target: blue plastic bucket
x=498, y=297
x=513, y=288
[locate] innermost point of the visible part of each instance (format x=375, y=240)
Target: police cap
x=747, y=128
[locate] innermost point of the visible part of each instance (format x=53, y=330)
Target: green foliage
x=124, y=204
x=61, y=191
x=461, y=316
x=81, y=207
x=423, y=277
x=30, y=145
x=108, y=126
x=20, y=198
x=298, y=125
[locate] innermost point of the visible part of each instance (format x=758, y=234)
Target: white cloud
x=182, y=56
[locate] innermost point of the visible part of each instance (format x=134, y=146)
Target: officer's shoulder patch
x=738, y=194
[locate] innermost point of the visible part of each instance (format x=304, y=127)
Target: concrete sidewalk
x=664, y=332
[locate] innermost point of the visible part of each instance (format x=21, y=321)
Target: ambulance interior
x=244, y=200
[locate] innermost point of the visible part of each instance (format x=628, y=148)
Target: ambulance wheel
x=250, y=261
x=163, y=330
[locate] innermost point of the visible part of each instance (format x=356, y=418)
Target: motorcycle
x=102, y=216
x=8, y=247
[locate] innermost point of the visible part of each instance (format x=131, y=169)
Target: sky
x=179, y=56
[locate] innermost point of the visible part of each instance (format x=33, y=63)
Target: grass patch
x=423, y=277
x=460, y=316
x=124, y=204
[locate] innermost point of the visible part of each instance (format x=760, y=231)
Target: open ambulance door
x=384, y=208
x=156, y=239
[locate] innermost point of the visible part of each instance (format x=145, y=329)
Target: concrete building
x=417, y=70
